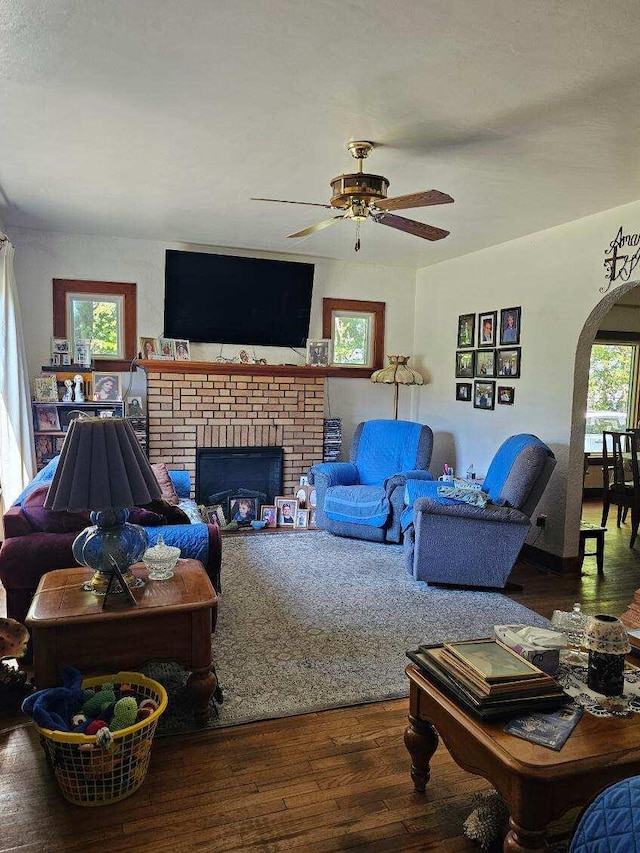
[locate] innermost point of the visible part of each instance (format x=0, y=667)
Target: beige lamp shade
x=397, y=373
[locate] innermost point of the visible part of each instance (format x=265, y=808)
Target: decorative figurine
x=79, y=397
x=68, y=394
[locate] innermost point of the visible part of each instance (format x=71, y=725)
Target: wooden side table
x=173, y=621
x=538, y=784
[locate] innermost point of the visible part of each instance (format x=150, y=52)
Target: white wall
x=556, y=276
x=44, y=255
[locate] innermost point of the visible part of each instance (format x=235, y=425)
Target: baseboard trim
x=551, y=562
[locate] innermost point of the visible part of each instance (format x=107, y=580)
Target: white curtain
x=17, y=461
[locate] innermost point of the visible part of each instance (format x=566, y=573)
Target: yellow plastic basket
x=95, y=777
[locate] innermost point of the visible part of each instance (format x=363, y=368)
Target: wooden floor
x=336, y=780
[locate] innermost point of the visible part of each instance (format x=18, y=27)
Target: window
x=103, y=312
x=612, y=391
x=356, y=328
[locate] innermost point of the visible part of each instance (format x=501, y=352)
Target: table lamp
x=102, y=469
x=397, y=373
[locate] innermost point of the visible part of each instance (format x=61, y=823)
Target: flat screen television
x=231, y=300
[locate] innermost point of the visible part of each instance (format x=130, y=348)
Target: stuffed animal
x=99, y=701
x=124, y=714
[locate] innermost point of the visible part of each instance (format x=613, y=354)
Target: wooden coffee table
x=538, y=784
x=173, y=621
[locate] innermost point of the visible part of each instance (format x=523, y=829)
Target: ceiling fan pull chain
x=357, y=246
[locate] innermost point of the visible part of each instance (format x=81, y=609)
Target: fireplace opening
x=220, y=469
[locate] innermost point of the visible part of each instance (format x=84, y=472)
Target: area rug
x=308, y=621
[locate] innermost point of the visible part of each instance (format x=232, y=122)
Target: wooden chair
x=591, y=531
x=621, y=486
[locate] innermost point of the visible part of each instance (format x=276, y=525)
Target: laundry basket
x=89, y=775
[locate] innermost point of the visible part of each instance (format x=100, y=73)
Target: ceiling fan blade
x=317, y=227
x=425, y=198
x=418, y=229
x=284, y=201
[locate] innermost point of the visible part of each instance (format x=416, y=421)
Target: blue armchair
x=364, y=498
x=452, y=542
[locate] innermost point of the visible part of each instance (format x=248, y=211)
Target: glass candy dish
x=572, y=624
x=160, y=560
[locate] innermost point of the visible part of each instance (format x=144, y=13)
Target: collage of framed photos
x=488, y=349
x=65, y=354
x=165, y=348
x=297, y=512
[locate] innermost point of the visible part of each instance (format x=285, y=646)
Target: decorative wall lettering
x=619, y=266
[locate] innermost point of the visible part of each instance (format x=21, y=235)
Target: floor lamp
x=397, y=373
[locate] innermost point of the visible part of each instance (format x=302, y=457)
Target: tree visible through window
x=97, y=321
x=356, y=328
x=351, y=339
x=610, y=396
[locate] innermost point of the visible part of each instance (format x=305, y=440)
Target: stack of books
x=332, y=439
x=488, y=678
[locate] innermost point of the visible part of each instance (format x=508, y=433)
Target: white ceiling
x=159, y=119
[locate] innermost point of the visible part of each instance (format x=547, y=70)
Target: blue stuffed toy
x=54, y=707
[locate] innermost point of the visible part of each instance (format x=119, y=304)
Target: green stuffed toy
x=124, y=714
x=99, y=701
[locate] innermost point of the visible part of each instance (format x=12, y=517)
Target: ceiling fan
x=362, y=196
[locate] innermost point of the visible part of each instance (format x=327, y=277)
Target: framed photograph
x=183, y=352
x=167, y=348
x=60, y=346
x=509, y=362
x=82, y=353
x=47, y=419
x=319, y=353
x=464, y=365
x=286, y=509
x=268, y=514
x=492, y=660
x=149, y=348
x=302, y=518
x=487, y=323
x=212, y=517
x=218, y=511
x=484, y=395
x=45, y=389
x=134, y=407
x=304, y=480
x=313, y=518
x=506, y=395
x=65, y=358
x=56, y=359
x=107, y=387
x=486, y=363
x=243, y=510
x=510, y=325
x=463, y=391
x=466, y=331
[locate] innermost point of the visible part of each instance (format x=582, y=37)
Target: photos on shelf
x=319, y=353
x=243, y=510
x=268, y=515
x=46, y=418
x=487, y=360
x=65, y=353
x=286, y=509
x=45, y=389
x=170, y=349
x=107, y=387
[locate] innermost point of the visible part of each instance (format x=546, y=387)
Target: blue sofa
x=28, y=552
x=364, y=498
x=451, y=542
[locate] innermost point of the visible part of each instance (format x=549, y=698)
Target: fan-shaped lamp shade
x=102, y=468
x=397, y=373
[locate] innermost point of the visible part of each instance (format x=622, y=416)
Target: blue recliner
x=364, y=498
x=611, y=823
x=452, y=542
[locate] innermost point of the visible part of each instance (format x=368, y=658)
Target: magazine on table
x=547, y=729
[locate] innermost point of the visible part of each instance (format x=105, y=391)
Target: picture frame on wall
x=466, y=331
x=510, y=325
x=509, y=362
x=485, y=363
x=464, y=364
x=484, y=395
x=487, y=323
x=463, y=391
x=506, y=395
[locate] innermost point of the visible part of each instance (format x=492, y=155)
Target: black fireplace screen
x=238, y=470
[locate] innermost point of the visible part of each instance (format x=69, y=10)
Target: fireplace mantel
x=222, y=368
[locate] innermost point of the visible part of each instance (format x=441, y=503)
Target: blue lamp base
x=110, y=542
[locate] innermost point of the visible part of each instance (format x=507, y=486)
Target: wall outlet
x=541, y=521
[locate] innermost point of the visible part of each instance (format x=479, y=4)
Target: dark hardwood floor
x=336, y=780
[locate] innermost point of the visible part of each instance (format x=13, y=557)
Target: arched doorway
x=580, y=392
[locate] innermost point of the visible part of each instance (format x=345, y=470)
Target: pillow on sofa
x=169, y=493
x=169, y=513
x=62, y=521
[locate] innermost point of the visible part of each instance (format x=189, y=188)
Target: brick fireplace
x=201, y=405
